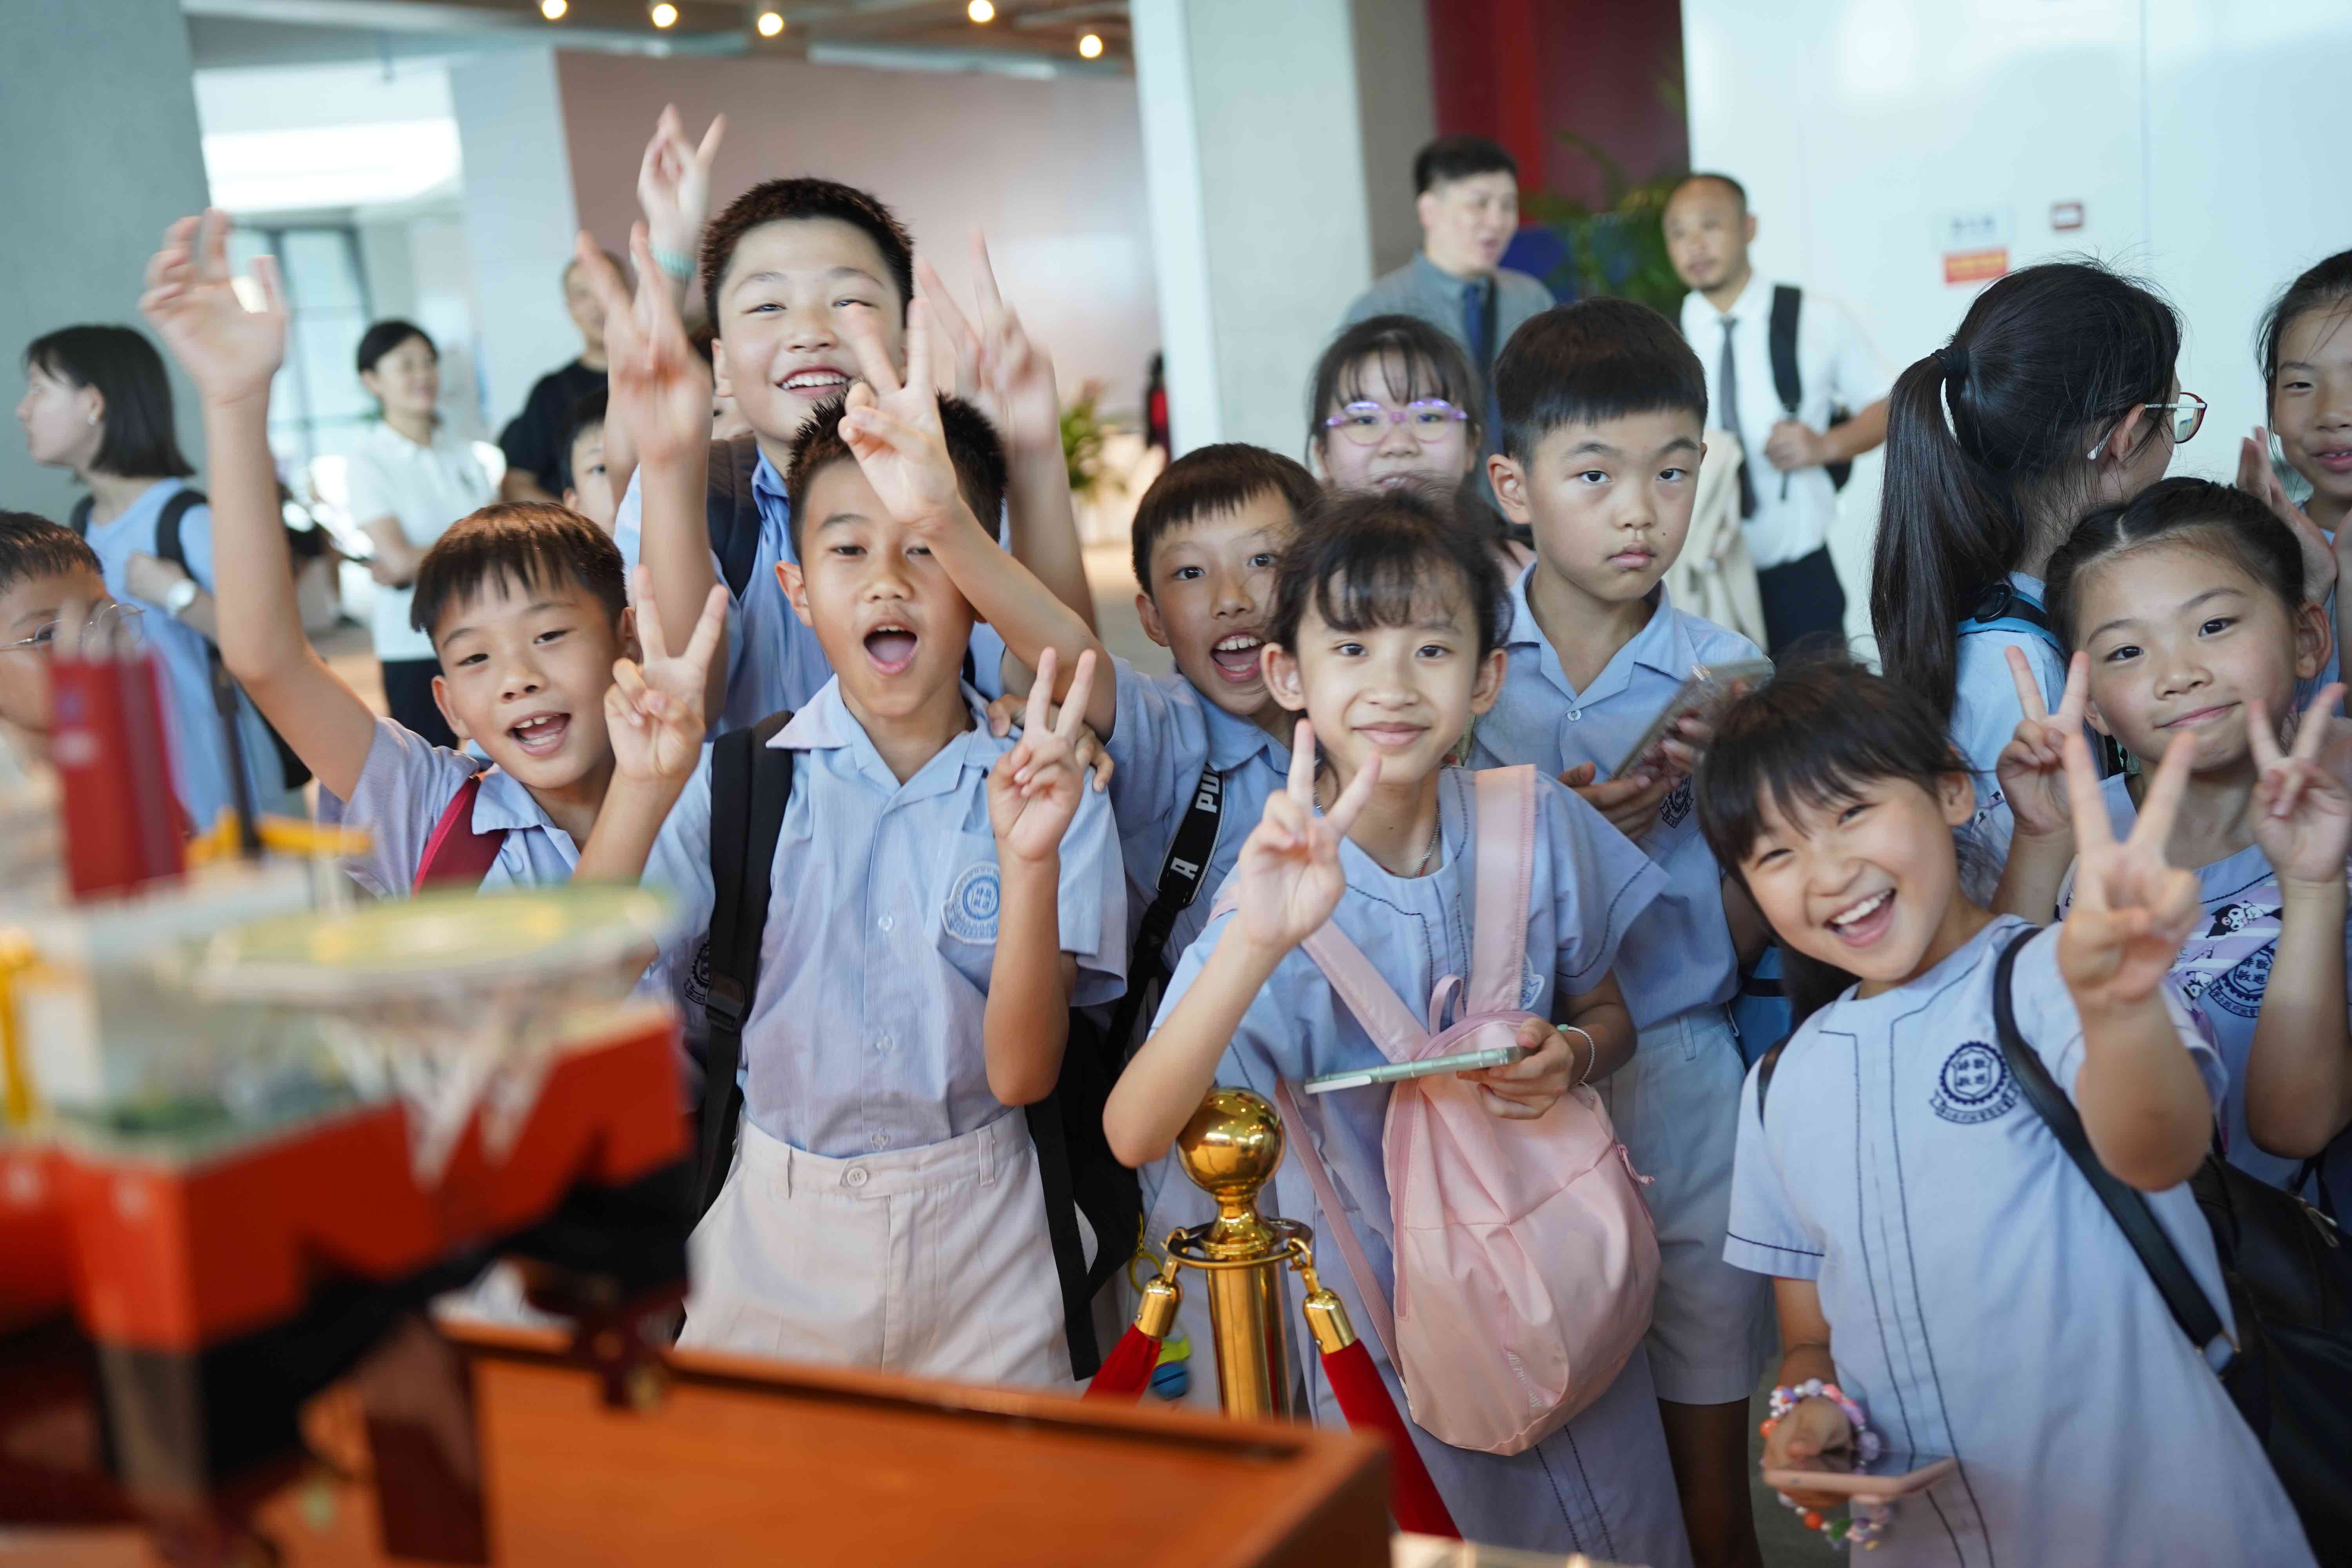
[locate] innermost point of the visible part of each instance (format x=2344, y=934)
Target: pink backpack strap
x=457, y=856
x=1339, y=1229
x=1506, y=840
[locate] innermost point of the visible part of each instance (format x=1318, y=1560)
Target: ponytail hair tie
x=1954, y=358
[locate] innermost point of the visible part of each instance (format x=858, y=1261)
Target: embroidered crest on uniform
x=1677, y=804
x=2240, y=990
x=698, y=975
x=1530, y=984
x=1974, y=1085
x=970, y=913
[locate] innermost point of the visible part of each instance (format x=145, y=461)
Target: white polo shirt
x=426, y=489
x=1837, y=365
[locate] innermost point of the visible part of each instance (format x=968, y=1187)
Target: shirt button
x=856, y=1176
x=1574, y=714
x=885, y=923
x=880, y=1141
x=884, y=1044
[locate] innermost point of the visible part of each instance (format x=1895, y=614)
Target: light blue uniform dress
x=1985, y=711
x=200, y=758
x=2224, y=970
x=1675, y=1102
x=1981, y=1301
x=774, y=663
x=1601, y=1484
x=865, y=1077
x=405, y=784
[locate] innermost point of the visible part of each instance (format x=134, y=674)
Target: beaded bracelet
x=1866, y=1519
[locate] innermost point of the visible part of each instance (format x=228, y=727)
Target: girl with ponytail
x=2056, y=395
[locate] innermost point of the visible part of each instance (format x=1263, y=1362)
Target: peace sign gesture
x=2132, y=909
x=1034, y=789
x=1287, y=880
x=228, y=351
x=2257, y=478
x=653, y=709
x=2303, y=820
x=2031, y=768
x=996, y=366
x=660, y=387
x=673, y=182
x=892, y=426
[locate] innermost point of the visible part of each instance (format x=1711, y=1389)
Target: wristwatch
x=180, y=595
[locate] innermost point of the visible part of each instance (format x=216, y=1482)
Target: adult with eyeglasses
x=1466, y=196
x=1783, y=366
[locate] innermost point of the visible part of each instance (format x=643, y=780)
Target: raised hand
x=660, y=388
x=1631, y=803
x=994, y=365
x=2132, y=908
x=1008, y=713
x=673, y=182
x=229, y=351
x=2033, y=767
x=892, y=425
x=2303, y=813
x=1288, y=880
x=2257, y=478
x=653, y=709
x=1034, y=790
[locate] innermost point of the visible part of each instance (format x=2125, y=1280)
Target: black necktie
x=1726, y=414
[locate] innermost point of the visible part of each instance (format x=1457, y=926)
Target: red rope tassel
x=1364, y=1400
x=1127, y=1371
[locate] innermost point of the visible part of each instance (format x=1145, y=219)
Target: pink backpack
x=1525, y=1258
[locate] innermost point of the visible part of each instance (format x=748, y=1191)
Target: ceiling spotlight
x=980, y=11
x=1090, y=45
x=771, y=24
x=665, y=14
x=552, y=9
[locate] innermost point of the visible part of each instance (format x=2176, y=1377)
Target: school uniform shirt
x=1679, y=954
x=1982, y=1303
x=1838, y=365
x=774, y=662
x=425, y=490
x=2224, y=971
x=865, y=1035
x=200, y=753
x=1986, y=712
x=404, y=787
x=1601, y=1484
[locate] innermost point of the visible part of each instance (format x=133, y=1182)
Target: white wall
x=1052, y=171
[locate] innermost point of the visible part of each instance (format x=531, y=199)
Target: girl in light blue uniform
x=2056, y=393
x=2189, y=609
x=1940, y=1264
x=1387, y=623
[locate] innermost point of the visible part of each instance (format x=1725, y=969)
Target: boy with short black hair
x=937, y=901
x=524, y=604
x=44, y=569
x=587, y=488
x=1603, y=407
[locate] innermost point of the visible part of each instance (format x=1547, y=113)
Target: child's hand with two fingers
x=231, y=353
x=660, y=388
x=1799, y=1439
x=653, y=709
x=2257, y=478
x=1009, y=713
x=991, y=362
x=1034, y=789
x=1288, y=878
x=2132, y=909
x=2032, y=769
x=673, y=186
x=1557, y=1061
x=2303, y=811
x=892, y=426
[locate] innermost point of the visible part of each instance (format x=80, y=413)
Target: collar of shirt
x=1664, y=644
x=384, y=439
x=1233, y=741
x=826, y=724
x=503, y=806
x=1753, y=308
x=1433, y=276
x=768, y=495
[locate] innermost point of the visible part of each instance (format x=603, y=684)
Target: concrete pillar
x=1253, y=154
x=88, y=184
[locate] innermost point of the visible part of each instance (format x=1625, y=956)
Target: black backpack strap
x=1765, y=1066
x=751, y=782
x=1787, y=381
x=2173, y=1281
x=78, y=519
x=732, y=511
x=168, y=545
x=1180, y=875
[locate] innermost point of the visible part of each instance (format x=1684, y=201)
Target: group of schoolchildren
x=952, y=909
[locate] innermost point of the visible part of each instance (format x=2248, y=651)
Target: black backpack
x=751, y=782
x=169, y=546
x=1789, y=382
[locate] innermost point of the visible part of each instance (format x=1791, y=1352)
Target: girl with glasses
x=1393, y=402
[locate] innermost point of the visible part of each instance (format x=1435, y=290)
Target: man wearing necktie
x=1788, y=496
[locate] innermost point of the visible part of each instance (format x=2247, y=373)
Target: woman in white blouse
x=410, y=481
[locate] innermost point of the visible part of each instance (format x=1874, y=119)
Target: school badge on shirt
x=970, y=913
x=1975, y=1085
x=1677, y=807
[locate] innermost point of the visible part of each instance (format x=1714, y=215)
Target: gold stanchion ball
x=1233, y=1144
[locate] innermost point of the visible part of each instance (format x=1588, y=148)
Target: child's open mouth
x=891, y=647
x=1860, y=924
x=2335, y=459
x=1236, y=658
x=819, y=382
x=542, y=735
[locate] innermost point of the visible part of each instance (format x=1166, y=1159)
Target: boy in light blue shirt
x=940, y=900
x=1603, y=405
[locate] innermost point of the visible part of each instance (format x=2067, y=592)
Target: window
x=317, y=407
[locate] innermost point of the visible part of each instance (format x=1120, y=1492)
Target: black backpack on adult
x=171, y=547
x=1788, y=381
x=751, y=782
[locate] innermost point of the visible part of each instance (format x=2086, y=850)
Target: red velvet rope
x=1364, y=1400
x=1126, y=1371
